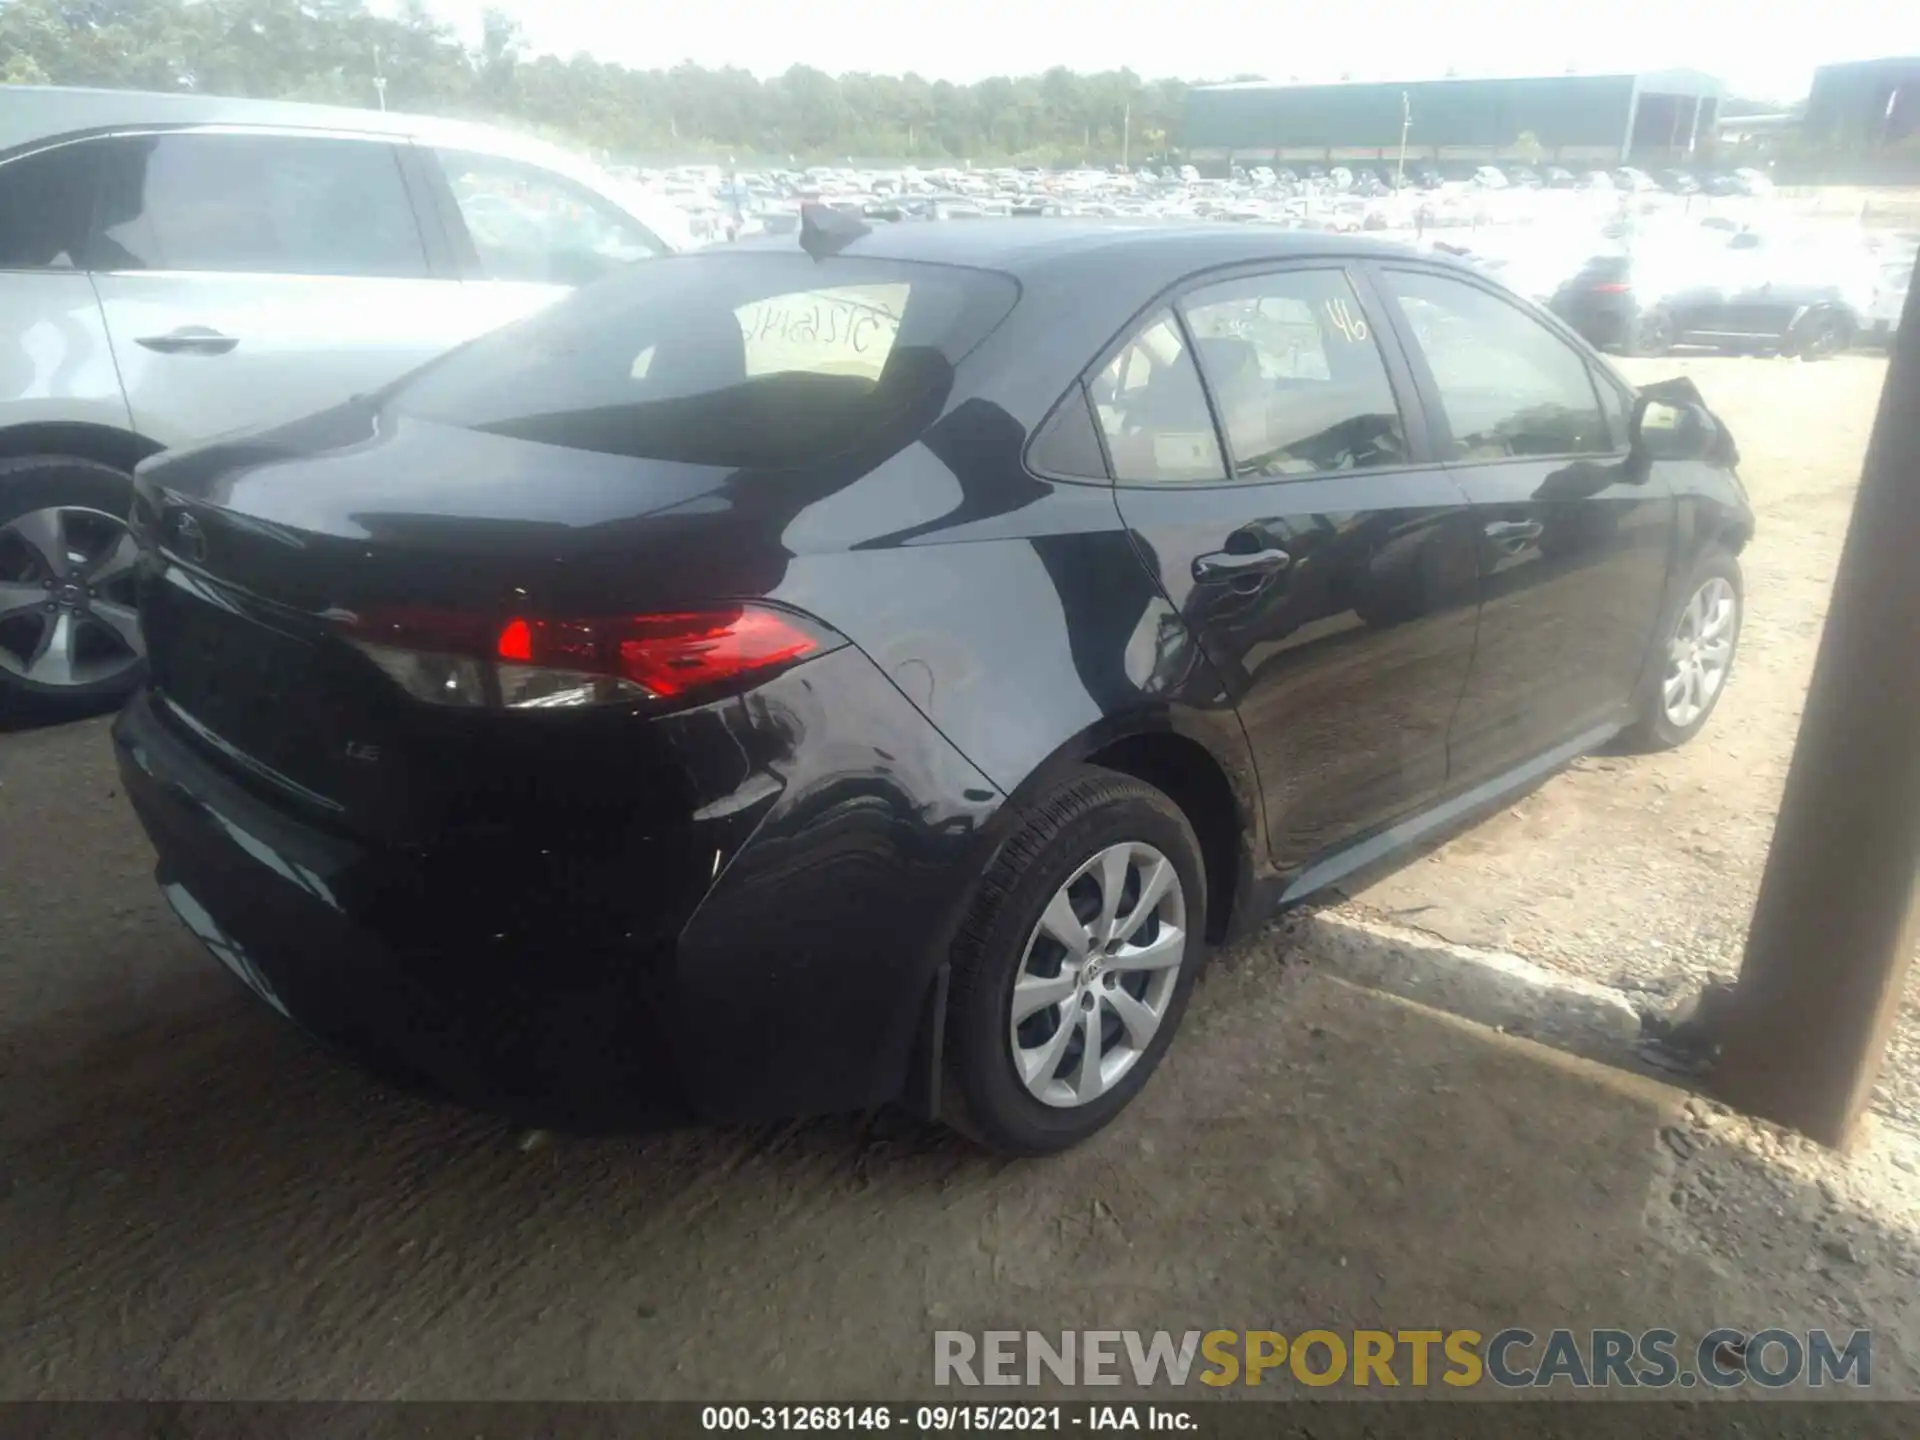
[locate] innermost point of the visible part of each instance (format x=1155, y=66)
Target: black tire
x=1060, y=831
x=38, y=482
x=1653, y=728
x=1820, y=336
x=1652, y=334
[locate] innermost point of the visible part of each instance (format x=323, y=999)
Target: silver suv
x=177, y=266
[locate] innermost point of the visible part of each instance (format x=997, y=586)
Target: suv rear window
x=747, y=358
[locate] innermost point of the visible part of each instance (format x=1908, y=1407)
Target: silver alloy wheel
x=1098, y=973
x=1700, y=652
x=67, y=616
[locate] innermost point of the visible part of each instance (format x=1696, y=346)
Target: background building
x=1654, y=118
x=1867, y=105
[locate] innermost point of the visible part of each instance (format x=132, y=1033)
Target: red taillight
x=529, y=662
x=516, y=642
x=665, y=655
x=1612, y=287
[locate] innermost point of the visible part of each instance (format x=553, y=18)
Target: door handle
x=1225, y=565
x=189, y=340
x=1514, y=533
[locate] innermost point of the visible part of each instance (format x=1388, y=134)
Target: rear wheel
x=1653, y=334
x=69, y=633
x=1699, y=636
x=1073, y=969
x=1819, y=336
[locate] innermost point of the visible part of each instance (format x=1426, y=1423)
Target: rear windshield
x=738, y=358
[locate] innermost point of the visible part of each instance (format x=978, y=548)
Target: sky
x=1760, y=49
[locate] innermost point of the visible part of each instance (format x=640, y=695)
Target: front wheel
x=1698, y=638
x=1074, y=966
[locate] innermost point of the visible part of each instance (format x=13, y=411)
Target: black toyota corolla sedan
x=869, y=667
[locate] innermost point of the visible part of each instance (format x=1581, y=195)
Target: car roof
x=1019, y=246
x=29, y=113
x=33, y=113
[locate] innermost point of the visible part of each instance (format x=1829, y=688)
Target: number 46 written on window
x=1346, y=321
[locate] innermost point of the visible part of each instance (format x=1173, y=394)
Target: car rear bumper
x=776, y=962
x=298, y=914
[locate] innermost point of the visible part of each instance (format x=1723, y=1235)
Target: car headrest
x=1226, y=358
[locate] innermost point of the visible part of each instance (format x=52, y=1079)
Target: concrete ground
x=195, y=1202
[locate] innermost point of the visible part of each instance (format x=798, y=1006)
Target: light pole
x=1406, y=124
x=379, y=80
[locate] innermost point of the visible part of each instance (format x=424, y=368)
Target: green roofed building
x=1662, y=117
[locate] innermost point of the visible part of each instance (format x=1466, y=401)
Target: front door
x=1574, y=538
x=1291, y=514
x=251, y=278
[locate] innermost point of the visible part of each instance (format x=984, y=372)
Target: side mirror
x=1670, y=421
x=1673, y=432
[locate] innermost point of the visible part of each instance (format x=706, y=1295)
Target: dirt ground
x=197, y=1203
x=1640, y=872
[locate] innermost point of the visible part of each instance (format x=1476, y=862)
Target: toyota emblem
x=189, y=537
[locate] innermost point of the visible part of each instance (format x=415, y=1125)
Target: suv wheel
x=1073, y=968
x=69, y=632
x=1653, y=334
x=1820, y=336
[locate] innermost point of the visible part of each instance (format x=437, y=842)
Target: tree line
x=337, y=52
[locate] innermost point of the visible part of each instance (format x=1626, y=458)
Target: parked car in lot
x=792, y=677
x=1893, y=278
x=175, y=266
x=1728, y=292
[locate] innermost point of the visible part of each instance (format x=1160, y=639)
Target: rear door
x=56, y=364
x=1293, y=515
x=250, y=277
x=1574, y=539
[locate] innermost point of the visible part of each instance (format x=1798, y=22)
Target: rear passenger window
x=258, y=204
x=1067, y=444
x=1154, y=413
x=1508, y=385
x=1296, y=375
x=46, y=205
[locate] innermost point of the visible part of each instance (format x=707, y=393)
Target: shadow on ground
x=201, y=1204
